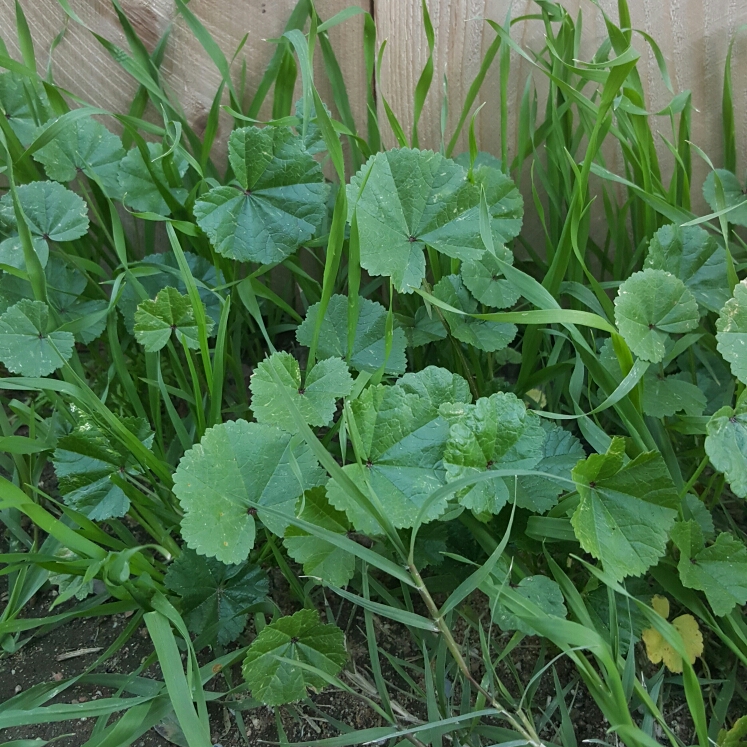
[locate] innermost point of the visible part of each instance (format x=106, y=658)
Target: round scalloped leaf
x=327, y=382
x=369, y=345
x=269, y=667
x=11, y=252
x=663, y=396
x=733, y=195
x=52, y=211
x=561, y=452
x=732, y=332
x=626, y=509
x=319, y=557
x=215, y=595
x=24, y=104
x=27, y=346
x=496, y=433
x=139, y=192
x=408, y=199
x=651, y=305
x=84, y=146
x=482, y=334
x=726, y=445
x=658, y=650
x=485, y=281
x=281, y=203
x=540, y=590
x=696, y=258
x=719, y=570
x=170, y=313
x=235, y=465
x=403, y=439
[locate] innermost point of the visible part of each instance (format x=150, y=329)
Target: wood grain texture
x=83, y=67
x=692, y=34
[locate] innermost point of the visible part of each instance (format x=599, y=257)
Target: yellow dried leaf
x=658, y=650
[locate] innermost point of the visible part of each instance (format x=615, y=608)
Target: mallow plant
x=351, y=368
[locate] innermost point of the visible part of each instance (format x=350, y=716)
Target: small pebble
x=12, y=671
x=57, y=676
x=18, y=688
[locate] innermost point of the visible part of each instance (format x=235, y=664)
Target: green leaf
x=485, y=281
x=170, y=312
x=52, y=212
x=27, y=345
x=215, y=595
x=734, y=737
x=733, y=195
x=153, y=282
x=488, y=336
x=280, y=204
x=316, y=399
x=11, y=251
x=139, y=192
x=407, y=199
x=85, y=460
x=320, y=558
x=85, y=145
x=651, y=305
x=25, y=105
x=235, y=465
x=427, y=327
x=626, y=510
x=369, y=346
x=314, y=140
x=726, y=445
x=719, y=570
x=663, y=396
x=694, y=256
x=540, y=590
x=732, y=332
x=496, y=433
x=402, y=437
x=269, y=668
x=560, y=454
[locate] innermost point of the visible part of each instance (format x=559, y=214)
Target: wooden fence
x=693, y=36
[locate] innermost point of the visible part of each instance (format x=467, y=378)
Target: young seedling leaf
x=496, y=433
x=694, y=256
x=139, y=191
x=235, y=465
x=369, y=346
x=719, y=570
x=85, y=460
x=561, y=452
x=409, y=199
x=25, y=105
x=485, y=281
x=403, y=438
x=732, y=332
x=484, y=335
x=280, y=203
x=733, y=195
x=658, y=650
x=726, y=445
x=542, y=591
x=651, y=305
x=269, y=668
x=27, y=344
x=320, y=558
x=316, y=398
x=170, y=313
x=84, y=146
x=215, y=595
x=155, y=281
x=626, y=509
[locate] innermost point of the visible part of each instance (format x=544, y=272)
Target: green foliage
x=215, y=596
x=142, y=184
x=278, y=204
x=169, y=313
x=726, y=445
x=270, y=668
x=732, y=332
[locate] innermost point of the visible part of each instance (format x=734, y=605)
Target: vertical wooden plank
x=84, y=68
